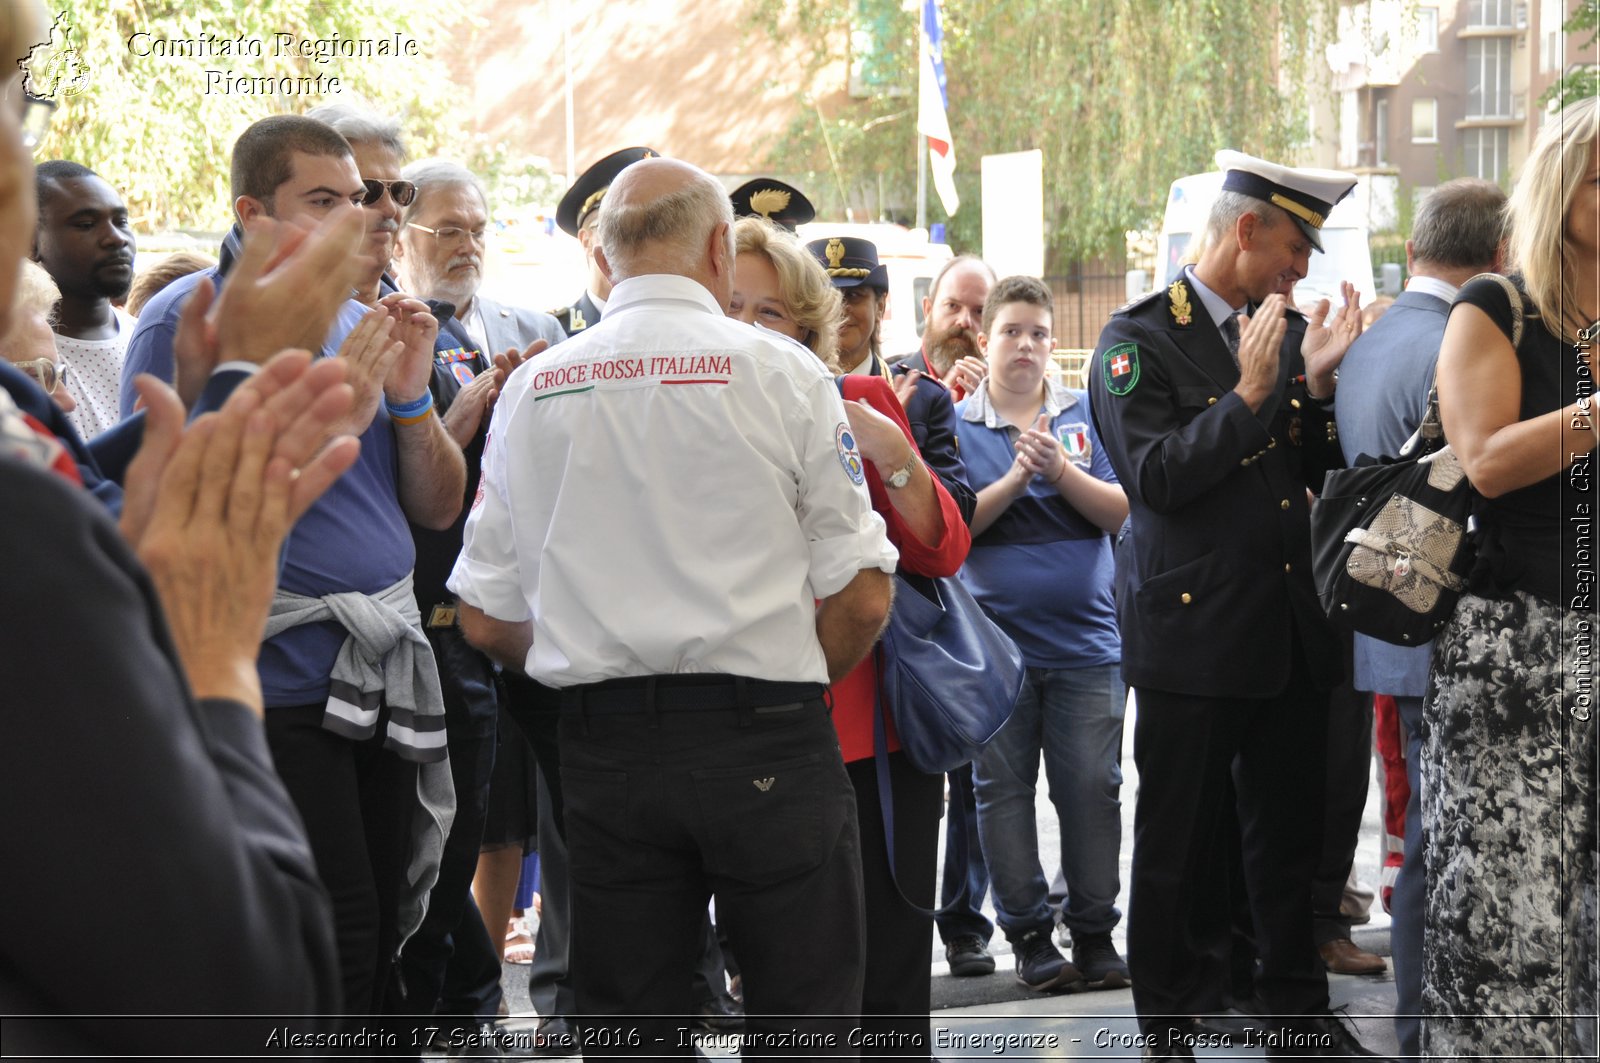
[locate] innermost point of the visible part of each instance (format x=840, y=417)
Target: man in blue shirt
x=354, y=714
x=1041, y=563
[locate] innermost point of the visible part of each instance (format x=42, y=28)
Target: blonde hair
x=1537, y=215
x=150, y=281
x=36, y=292
x=803, y=285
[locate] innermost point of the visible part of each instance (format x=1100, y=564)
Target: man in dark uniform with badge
x=577, y=215
x=1214, y=401
x=782, y=204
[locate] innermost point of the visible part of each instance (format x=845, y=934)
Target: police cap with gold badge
x=783, y=205
x=1308, y=195
x=850, y=262
x=590, y=187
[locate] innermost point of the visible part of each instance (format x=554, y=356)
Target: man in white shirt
x=85, y=243
x=665, y=498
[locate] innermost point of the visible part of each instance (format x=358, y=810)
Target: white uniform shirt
x=669, y=491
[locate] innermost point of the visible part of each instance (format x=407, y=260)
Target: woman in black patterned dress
x=1508, y=764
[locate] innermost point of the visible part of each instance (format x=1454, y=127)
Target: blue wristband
x=412, y=409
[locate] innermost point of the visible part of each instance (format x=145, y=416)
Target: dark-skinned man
x=85, y=242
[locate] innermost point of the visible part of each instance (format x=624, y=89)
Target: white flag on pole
x=932, y=120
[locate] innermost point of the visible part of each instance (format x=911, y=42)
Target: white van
x=1346, y=255
x=912, y=263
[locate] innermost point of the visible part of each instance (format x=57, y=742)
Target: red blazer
x=855, y=695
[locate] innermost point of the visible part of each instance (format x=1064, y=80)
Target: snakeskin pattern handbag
x=1389, y=540
x=1389, y=537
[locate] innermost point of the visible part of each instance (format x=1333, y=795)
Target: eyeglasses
x=402, y=192
x=451, y=234
x=46, y=373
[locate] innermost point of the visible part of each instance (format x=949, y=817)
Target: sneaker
x=1062, y=936
x=1040, y=964
x=1098, y=959
x=968, y=956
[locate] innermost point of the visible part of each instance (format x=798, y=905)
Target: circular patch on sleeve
x=845, y=442
x=1121, y=368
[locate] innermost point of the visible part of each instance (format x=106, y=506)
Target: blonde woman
x=1508, y=764
x=778, y=285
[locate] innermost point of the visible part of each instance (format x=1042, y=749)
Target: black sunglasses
x=402, y=192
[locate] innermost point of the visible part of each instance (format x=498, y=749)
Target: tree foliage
x=161, y=129
x=1583, y=81
x=1120, y=97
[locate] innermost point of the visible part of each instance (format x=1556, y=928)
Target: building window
x=1489, y=77
x=1489, y=14
x=1349, y=128
x=1427, y=29
x=1484, y=151
x=1425, y=120
x=1380, y=133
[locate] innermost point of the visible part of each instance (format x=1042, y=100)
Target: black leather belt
x=686, y=692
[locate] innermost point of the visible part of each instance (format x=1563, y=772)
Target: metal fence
x=1083, y=305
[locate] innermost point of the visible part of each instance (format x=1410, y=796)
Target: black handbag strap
x=961, y=808
x=1430, y=433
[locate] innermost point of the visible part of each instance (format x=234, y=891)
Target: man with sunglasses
x=379, y=153
x=360, y=750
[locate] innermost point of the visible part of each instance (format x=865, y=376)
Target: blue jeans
x=1074, y=717
x=968, y=918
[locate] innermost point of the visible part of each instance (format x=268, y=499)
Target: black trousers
x=451, y=931
x=896, y=993
x=536, y=709
x=1188, y=749
x=665, y=809
x=357, y=800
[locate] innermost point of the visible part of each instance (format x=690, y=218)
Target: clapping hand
x=1325, y=345
x=1259, y=341
x=1039, y=453
x=282, y=292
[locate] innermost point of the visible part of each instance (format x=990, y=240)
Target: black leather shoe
x=555, y=1036
x=1319, y=1036
x=720, y=1014
x=1170, y=1053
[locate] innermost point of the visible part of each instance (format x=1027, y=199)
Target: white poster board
x=1013, y=212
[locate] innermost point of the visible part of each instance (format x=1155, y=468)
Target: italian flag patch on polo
x=1121, y=368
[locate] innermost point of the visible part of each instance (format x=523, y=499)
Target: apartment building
x=1420, y=91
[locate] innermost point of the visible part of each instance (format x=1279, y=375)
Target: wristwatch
x=902, y=476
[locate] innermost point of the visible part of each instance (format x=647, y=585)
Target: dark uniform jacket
x=933, y=426
x=112, y=763
x=577, y=317
x=1215, y=579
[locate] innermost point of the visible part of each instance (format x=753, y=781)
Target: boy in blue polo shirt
x=1041, y=563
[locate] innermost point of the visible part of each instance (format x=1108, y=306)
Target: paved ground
x=971, y=1016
